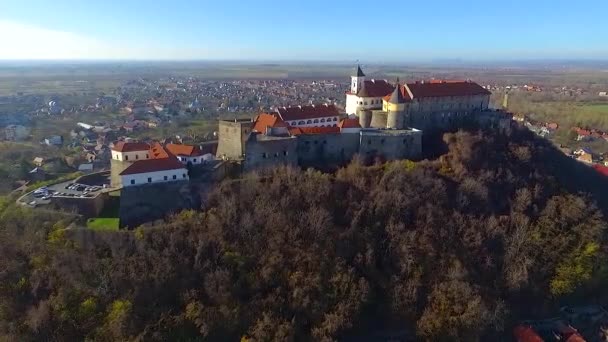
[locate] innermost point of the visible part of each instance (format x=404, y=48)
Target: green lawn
x=103, y=223
x=599, y=107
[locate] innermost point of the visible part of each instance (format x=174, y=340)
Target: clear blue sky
x=371, y=31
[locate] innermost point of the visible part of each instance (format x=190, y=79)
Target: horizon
x=316, y=31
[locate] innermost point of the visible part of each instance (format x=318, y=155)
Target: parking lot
x=70, y=189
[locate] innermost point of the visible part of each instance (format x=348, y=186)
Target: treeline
x=458, y=248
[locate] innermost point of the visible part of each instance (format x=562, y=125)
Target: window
x=194, y=160
x=166, y=177
x=369, y=141
x=136, y=156
x=276, y=155
x=264, y=155
x=285, y=153
x=174, y=176
x=149, y=179
x=322, y=120
x=324, y=142
x=316, y=121
x=293, y=123
x=184, y=175
x=301, y=122
x=147, y=156
x=126, y=157
x=404, y=141
x=309, y=121
x=335, y=119
x=132, y=181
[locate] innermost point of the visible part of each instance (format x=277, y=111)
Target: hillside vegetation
x=496, y=230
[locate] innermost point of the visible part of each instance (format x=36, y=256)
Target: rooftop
x=307, y=112
x=123, y=146
x=153, y=165
x=265, y=120
x=183, y=150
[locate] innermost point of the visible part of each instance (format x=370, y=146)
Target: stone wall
x=149, y=202
x=117, y=167
x=378, y=119
x=264, y=152
x=324, y=149
x=87, y=207
x=391, y=144
x=232, y=137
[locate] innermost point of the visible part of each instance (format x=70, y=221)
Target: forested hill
x=496, y=230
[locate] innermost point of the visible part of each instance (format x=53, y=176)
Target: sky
x=303, y=30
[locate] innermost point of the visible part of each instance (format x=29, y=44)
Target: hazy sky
x=371, y=31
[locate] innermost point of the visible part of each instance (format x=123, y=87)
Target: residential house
x=585, y=158
x=39, y=161
x=37, y=174
x=88, y=167
x=55, y=140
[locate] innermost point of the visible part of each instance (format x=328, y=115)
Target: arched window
x=335, y=119
x=322, y=120
x=309, y=121
x=293, y=123
x=301, y=122
x=316, y=121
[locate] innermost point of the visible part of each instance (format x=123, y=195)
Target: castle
x=380, y=120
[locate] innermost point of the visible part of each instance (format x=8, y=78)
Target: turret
x=357, y=80
x=395, y=106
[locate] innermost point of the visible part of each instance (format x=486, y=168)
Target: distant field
x=103, y=223
x=603, y=108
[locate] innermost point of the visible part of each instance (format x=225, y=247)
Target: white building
x=131, y=151
x=187, y=154
x=310, y=116
x=365, y=94
x=153, y=171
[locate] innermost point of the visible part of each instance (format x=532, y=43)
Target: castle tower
x=357, y=80
x=395, y=106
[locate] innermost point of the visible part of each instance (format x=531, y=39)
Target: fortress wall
x=270, y=153
x=378, y=119
x=391, y=145
x=149, y=202
x=324, y=149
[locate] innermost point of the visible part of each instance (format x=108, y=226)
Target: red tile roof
x=404, y=93
x=183, y=150
x=375, y=88
x=601, y=169
x=313, y=130
x=158, y=151
x=307, y=112
x=349, y=123
x=122, y=146
x=526, y=334
x=153, y=165
x=446, y=88
x=265, y=120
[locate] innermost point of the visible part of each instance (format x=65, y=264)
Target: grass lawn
x=600, y=107
x=103, y=223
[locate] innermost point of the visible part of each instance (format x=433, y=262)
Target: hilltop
x=498, y=229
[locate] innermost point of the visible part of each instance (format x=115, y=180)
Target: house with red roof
x=188, y=154
x=139, y=163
